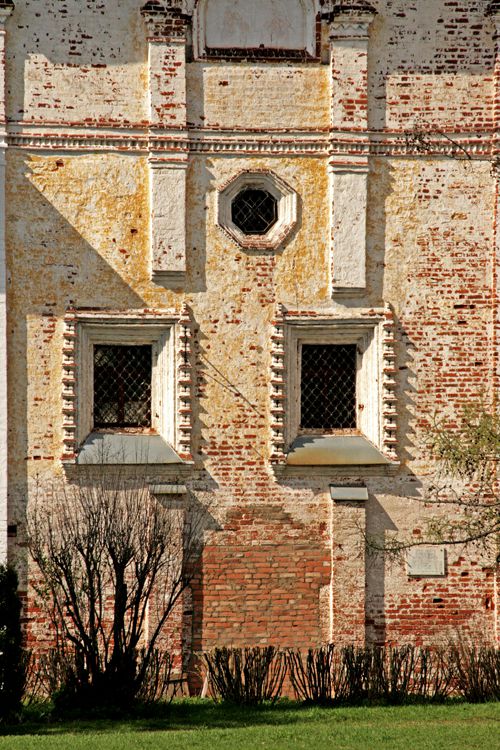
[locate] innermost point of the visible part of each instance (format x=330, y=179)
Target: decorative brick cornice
x=185, y=385
x=69, y=387
x=344, y=7
x=350, y=20
x=305, y=142
x=389, y=412
x=278, y=387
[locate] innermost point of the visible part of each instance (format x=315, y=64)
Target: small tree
x=463, y=500
x=114, y=562
x=12, y=660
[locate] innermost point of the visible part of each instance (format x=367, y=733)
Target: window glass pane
x=328, y=386
x=122, y=386
x=254, y=211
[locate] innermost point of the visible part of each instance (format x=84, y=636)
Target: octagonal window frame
x=287, y=204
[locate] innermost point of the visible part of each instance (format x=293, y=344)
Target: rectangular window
x=333, y=383
x=328, y=387
x=122, y=386
x=127, y=386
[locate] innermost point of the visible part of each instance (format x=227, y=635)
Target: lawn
x=201, y=724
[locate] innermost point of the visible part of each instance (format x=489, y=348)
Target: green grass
x=201, y=724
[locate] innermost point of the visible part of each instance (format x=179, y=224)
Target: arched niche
x=236, y=28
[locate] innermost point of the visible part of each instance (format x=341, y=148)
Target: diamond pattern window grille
x=254, y=211
x=328, y=386
x=122, y=386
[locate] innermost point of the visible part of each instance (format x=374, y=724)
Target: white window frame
x=161, y=337
x=286, y=200
x=367, y=336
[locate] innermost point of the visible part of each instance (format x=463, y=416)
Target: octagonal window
x=257, y=209
x=254, y=211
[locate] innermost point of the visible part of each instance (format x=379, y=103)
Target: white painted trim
x=367, y=337
x=162, y=339
x=286, y=199
x=170, y=335
x=377, y=384
x=349, y=197
x=168, y=219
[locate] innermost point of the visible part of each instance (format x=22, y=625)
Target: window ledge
x=335, y=450
x=120, y=448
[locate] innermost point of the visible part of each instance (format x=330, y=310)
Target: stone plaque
x=426, y=561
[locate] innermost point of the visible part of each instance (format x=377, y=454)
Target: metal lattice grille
x=254, y=211
x=122, y=386
x=328, y=386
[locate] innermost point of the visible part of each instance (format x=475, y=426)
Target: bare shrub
x=114, y=563
x=434, y=675
x=477, y=670
x=312, y=678
x=462, y=503
x=246, y=677
x=353, y=675
x=13, y=657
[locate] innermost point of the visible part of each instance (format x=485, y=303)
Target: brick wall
x=282, y=564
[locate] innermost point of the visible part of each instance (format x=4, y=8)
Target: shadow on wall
x=200, y=191
x=378, y=522
x=53, y=267
x=418, y=54
x=88, y=52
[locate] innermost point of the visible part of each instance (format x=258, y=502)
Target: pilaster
x=348, y=575
x=6, y=9
x=166, y=35
x=493, y=11
x=349, y=35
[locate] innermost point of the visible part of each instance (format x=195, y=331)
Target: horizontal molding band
x=276, y=143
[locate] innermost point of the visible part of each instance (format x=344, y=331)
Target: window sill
x=336, y=450
x=122, y=448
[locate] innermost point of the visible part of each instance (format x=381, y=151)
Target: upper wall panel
x=431, y=64
x=77, y=60
x=258, y=95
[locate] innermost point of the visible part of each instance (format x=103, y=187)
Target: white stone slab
x=116, y=448
x=349, y=229
x=334, y=450
x=342, y=493
x=168, y=219
x=426, y=561
x=281, y=24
